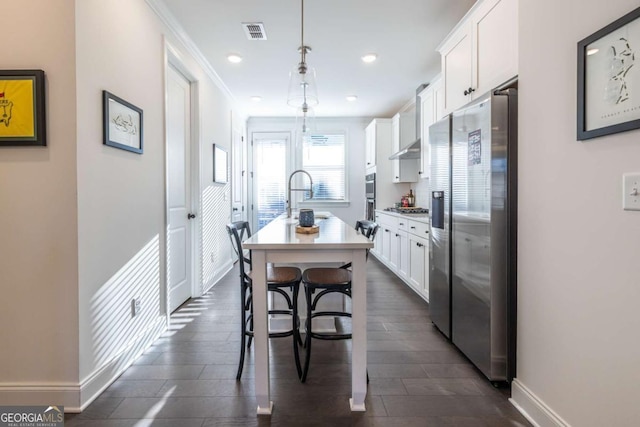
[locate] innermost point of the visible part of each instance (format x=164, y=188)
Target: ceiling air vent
x=254, y=30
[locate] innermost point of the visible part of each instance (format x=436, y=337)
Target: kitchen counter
x=421, y=217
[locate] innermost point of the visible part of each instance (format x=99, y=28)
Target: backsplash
x=422, y=190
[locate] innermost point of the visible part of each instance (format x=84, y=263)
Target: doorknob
x=191, y=216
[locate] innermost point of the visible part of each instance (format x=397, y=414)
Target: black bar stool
x=278, y=280
x=327, y=281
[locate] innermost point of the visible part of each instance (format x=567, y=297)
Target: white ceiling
x=404, y=34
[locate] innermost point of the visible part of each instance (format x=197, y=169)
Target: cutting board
x=307, y=230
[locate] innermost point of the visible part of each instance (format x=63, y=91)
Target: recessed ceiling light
x=235, y=58
x=256, y=98
x=592, y=51
x=369, y=57
x=351, y=98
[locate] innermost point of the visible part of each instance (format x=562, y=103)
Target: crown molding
x=181, y=35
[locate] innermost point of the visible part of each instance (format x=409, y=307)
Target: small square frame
x=22, y=108
x=122, y=123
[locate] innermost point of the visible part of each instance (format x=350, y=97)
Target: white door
x=238, y=172
x=270, y=170
x=179, y=185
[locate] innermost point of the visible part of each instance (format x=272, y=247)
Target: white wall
x=121, y=195
x=355, y=140
x=579, y=290
x=38, y=248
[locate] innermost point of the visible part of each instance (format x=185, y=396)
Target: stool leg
x=295, y=324
x=307, y=341
x=243, y=331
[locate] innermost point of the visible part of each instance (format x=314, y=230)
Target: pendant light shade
x=302, y=87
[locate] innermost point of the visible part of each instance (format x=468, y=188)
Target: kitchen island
x=336, y=241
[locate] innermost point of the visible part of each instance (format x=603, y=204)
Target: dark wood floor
x=187, y=378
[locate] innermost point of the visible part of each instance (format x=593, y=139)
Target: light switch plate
x=631, y=191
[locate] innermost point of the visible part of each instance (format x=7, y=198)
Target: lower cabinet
x=402, y=245
x=419, y=264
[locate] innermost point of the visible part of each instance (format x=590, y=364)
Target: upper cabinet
x=370, y=147
x=431, y=110
x=481, y=53
x=403, y=131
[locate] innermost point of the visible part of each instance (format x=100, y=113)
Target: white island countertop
x=333, y=233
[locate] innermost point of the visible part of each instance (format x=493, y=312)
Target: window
x=323, y=156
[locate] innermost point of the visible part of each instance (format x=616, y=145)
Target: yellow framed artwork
x=22, y=110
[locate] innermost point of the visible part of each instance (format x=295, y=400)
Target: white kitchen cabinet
x=370, y=146
x=481, y=53
x=402, y=132
x=431, y=110
x=402, y=268
x=377, y=151
x=417, y=251
x=402, y=245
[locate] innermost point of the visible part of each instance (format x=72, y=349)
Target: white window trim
x=328, y=203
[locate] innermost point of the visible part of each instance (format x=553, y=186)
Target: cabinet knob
x=191, y=216
x=468, y=91
x=412, y=227
x=368, y=163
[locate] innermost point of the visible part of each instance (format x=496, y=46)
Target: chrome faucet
x=289, y=189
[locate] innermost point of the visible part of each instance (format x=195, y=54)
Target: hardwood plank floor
x=417, y=378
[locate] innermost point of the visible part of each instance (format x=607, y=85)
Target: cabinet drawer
x=418, y=228
x=403, y=224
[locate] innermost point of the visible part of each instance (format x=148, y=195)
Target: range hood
x=412, y=149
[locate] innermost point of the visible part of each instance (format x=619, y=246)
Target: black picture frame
x=22, y=108
x=609, y=79
x=122, y=123
x=220, y=165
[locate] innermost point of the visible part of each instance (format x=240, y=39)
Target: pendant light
x=303, y=93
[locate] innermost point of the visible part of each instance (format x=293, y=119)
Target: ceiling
x=403, y=33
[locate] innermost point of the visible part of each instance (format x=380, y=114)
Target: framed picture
x=609, y=79
x=22, y=111
x=220, y=170
x=122, y=123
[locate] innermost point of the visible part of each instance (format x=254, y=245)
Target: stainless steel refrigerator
x=473, y=239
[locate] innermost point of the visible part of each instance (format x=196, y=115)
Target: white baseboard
x=102, y=377
x=67, y=395
x=533, y=408
x=226, y=267
x=76, y=397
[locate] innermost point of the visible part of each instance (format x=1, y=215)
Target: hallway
x=187, y=378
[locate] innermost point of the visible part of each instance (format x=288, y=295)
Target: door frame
x=172, y=57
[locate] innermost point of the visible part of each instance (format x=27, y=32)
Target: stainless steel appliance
x=370, y=194
x=472, y=280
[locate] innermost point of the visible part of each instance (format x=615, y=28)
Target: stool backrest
x=239, y=231
x=368, y=229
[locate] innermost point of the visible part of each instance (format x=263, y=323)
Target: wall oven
x=370, y=194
